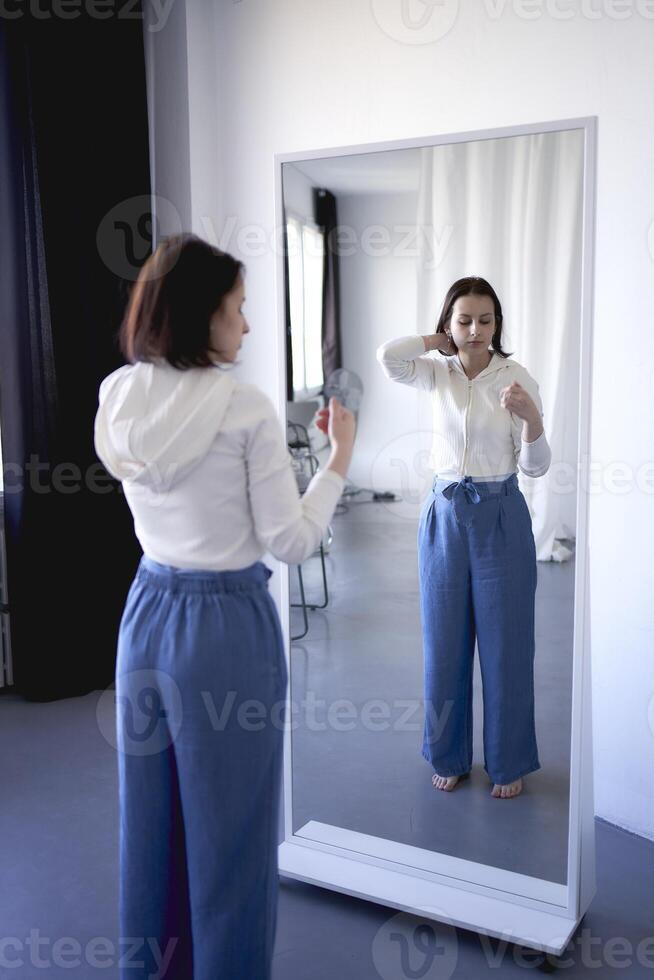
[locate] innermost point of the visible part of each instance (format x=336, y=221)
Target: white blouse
x=206, y=470
x=473, y=434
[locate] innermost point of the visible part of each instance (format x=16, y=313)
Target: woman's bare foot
x=505, y=790
x=445, y=782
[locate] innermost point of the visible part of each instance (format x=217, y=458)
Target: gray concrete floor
x=59, y=875
x=59, y=809
x=367, y=645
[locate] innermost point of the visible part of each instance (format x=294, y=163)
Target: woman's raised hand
x=338, y=423
x=519, y=402
x=438, y=341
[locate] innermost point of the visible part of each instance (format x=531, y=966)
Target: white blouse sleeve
x=289, y=525
x=533, y=458
x=404, y=359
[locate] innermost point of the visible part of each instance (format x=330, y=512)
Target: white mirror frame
x=517, y=908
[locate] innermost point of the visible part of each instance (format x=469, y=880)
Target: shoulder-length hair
x=178, y=289
x=471, y=286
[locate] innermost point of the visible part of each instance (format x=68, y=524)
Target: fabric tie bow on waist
x=468, y=488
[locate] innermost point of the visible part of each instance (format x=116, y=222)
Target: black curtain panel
x=324, y=207
x=74, y=191
x=290, y=388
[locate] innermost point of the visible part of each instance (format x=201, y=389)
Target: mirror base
x=500, y=918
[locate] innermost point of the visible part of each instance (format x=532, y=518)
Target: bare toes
x=444, y=782
x=507, y=790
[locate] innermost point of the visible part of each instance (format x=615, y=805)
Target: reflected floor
x=367, y=645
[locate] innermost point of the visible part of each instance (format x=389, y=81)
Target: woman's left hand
x=517, y=400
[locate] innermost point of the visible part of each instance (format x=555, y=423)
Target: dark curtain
x=290, y=390
x=324, y=207
x=73, y=146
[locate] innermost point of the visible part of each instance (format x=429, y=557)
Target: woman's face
x=473, y=319
x=227, y=325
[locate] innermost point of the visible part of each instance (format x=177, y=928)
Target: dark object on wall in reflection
x=324, y=206
x=290, y=390
x=66, y=159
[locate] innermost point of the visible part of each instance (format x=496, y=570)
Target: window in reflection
x=305, y=274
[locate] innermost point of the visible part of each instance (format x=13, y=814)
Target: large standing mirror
x=375, y=236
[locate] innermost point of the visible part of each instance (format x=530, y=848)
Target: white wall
x=378, y=302
x=171, y=149
x=298, y=74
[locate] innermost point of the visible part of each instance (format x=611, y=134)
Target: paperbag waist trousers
x=200, y=685
x=477, y=573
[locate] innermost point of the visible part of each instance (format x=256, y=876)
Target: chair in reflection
x=305, y=465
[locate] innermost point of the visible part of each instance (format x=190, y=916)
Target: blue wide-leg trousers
x=200, y=686
x=477, y=572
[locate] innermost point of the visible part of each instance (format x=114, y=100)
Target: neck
x=475, y=361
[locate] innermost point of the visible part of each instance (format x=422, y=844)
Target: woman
x=201, y=675
x=477, y=555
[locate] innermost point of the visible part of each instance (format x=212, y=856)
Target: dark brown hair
x=471, y=286
x=178, y=289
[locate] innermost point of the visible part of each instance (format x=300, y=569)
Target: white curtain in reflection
x=510, y=210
